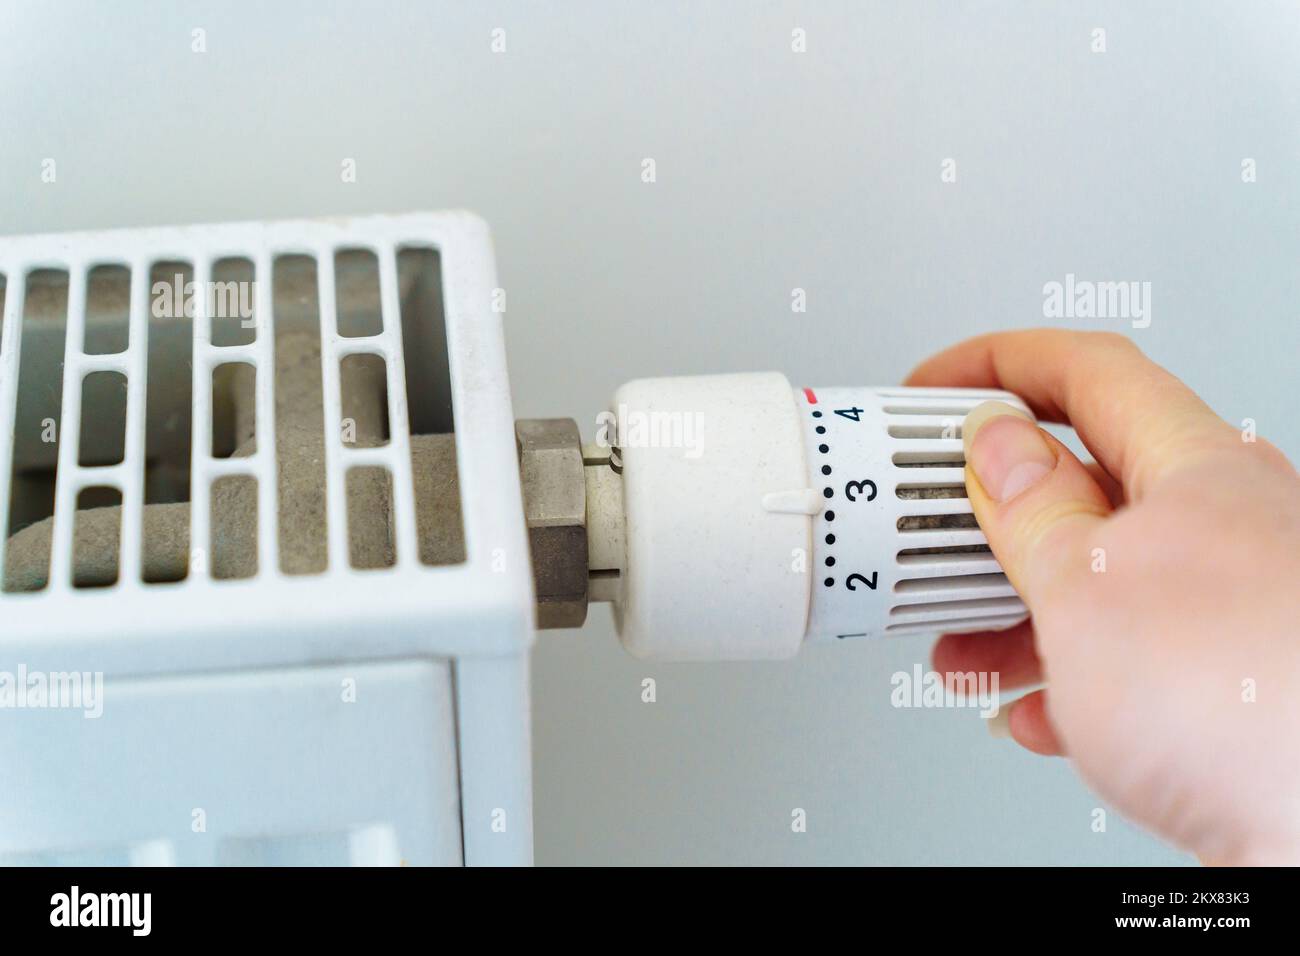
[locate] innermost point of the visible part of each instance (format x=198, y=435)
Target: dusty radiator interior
x=167, y=552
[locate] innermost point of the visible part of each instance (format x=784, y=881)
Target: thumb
x=1034, y=500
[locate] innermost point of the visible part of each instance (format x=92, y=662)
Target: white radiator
x=265, y=699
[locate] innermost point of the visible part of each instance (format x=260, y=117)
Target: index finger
x=1136, y=419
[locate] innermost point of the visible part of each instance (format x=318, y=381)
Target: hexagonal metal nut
x=555, y=510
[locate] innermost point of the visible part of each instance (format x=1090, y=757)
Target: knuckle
x=1271, y=456
x=1049, y=542
x=1048, y=525
x=1112, y=341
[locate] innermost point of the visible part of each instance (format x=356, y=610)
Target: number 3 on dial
x=854, y=488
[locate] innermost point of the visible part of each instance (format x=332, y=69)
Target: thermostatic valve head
x=759, y=516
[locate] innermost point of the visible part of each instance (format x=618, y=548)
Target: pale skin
x=1163, y=582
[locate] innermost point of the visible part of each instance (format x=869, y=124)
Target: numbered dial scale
x=895, y=546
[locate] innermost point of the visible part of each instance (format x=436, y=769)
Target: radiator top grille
x=197, y=412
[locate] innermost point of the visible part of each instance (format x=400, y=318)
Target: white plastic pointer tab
x=800, y=501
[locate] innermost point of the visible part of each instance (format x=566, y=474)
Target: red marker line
x=808, y=394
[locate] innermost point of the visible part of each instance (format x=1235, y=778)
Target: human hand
x=1163, y=583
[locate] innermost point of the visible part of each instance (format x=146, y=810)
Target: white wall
x=775, y=170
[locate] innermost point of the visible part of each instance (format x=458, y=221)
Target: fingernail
x=1005, y=449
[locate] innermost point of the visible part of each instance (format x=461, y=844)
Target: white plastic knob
x=758, y=516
